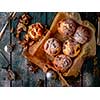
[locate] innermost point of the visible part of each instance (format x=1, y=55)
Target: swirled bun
x=62, y=62
x=82, y=35
x=71, y=48
x=35, y=31
x=52, y=46
x=67, y=27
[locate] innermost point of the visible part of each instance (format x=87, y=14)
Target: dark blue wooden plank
x=5, y=40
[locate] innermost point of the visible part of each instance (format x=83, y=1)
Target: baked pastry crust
x=82, y=35
x=62, y=62
x=35, y=31
x=52, y=46
x=67, y=27
x=71, y=48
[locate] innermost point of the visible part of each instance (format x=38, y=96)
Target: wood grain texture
x=25, y=78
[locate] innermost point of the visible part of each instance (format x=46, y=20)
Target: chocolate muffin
x=52, y=46
x=35, y=31
x=62, y=62
x=82, y=34
x=67, y=27
x=71, y=47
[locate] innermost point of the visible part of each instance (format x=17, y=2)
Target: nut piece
x=25, y=19
x=51, y=75
x=9, y=48
x=82, y=35
x=71, y=48
x=35, y=31
x=67, y=27
x=11, y=75
x=62, y=62
x=52, y=47
x=20, y=28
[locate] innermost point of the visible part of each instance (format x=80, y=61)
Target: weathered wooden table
x=90, y=74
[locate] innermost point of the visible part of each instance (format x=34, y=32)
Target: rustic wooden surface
x=25, y=78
